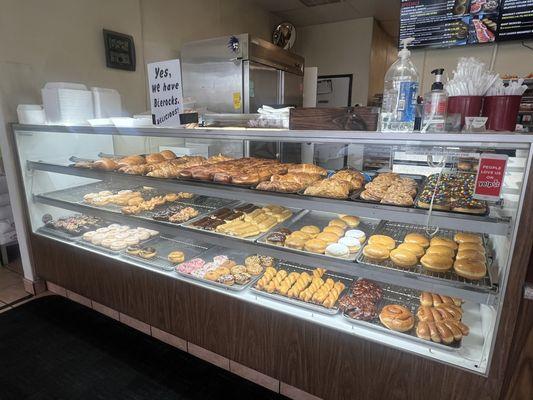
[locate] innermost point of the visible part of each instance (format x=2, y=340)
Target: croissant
x=354, y=178
x=134, y=169
x=331, y=188
x=309, y=168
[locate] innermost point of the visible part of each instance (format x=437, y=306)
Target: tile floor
x=11, y=284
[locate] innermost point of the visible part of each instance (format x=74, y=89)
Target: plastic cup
x=501, y=112
x=467, y=106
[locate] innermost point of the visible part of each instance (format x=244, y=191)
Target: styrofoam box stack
x=8, y=233
x=67, y=103
x=107, y=103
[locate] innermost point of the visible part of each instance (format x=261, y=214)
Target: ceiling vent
x=314, y=3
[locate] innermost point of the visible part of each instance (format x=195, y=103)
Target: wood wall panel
x=518, y=383
x=319, y=360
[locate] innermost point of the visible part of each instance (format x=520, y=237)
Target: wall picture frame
x=119, y=50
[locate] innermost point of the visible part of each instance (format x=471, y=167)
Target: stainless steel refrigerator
x=240, y=73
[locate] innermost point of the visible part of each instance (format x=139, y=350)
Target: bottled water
x=399, y=94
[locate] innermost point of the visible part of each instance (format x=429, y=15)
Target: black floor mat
x=52, y=348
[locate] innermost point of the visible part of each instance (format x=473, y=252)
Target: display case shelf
x=457, y=288
x=492, y=224
x=471, y=347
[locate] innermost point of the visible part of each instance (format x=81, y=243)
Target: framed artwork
x=119, y=50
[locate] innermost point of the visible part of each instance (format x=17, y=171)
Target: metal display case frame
x=497, y=224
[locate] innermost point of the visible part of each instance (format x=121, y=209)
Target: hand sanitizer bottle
x=435, y=105
x=399, y=94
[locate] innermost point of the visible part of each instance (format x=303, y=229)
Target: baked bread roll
x=328, y=237
x=308, y=168
x=167, y=154
x=439, y=250
x=382, y=240
x=311, y=230
x=464, y=237
x=442, y=241
x=442, y=332
x=338, y=222
x=403, y=258
x=471, y=246
x=416, y=238
x=441, y=313
x=354, y=178
x=414, y=248
x=105, y=164
x=474, y=270
x=330, y=188
x=337, y=230
x=471, y=255
x=293, y=242
x=376, y=252
x=131, y=160
x=435, y=263
x=434, y=299
x=397, y=318
x=316, y=246
x=154, y=158
x=351, y=221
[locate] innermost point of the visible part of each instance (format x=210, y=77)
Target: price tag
x=489, y=179
x=166, y=97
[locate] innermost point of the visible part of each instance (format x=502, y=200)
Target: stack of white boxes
x=8, y=234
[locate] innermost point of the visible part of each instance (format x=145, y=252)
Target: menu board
x=447, y=23
x=516, y=20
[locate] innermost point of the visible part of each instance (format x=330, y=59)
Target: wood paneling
x=319, y=360
x=519, y=378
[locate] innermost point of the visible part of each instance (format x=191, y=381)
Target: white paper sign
x=166, y=96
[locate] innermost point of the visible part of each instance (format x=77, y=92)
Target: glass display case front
x=379, y=236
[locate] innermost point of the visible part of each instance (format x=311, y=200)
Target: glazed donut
x=397, y=318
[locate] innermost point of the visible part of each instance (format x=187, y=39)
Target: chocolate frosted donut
x=364, y=311
x=276, y=238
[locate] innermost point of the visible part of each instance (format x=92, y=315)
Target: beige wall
x=167, y=24
x=61, y=40
x=339, y=48
x=509, y=58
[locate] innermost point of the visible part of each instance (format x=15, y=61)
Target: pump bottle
x=435, y=105
x=400, y=91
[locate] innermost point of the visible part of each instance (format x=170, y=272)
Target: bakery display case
x=405, y=256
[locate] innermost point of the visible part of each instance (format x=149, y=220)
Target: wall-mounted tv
x=447, y=23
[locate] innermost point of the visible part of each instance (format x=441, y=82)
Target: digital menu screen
x=447, y=23
x=516, y=20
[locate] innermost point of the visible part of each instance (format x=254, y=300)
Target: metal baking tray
x=189, y=224
x=483, y=214
x=47, y=231
x=85, y=243
x=216, y=183
x=410, y=299
x=398, y=231
x=300, y=303
x=233, y=254
x=420, y=180
x=164, y=246
x=202, y=212
x=320, y=219
x=208, y=202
